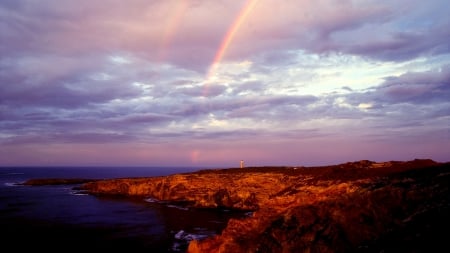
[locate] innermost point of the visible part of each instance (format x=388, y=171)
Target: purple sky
x=142, y=82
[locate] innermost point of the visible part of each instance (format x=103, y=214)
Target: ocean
x=59, y=219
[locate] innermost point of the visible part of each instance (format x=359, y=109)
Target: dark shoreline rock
x=57, y=181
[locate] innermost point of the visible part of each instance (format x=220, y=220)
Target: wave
x=12, y=184
x=183, y=238
x=151, y=200
x=12, y=173
x=179, y=207
x=79, y=193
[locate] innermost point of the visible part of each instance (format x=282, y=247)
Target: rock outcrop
x=56, y=181
x=353, y=207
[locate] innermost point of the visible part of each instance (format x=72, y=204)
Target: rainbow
x=171, y=28
x=241, y=17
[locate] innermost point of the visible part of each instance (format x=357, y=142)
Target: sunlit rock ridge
x=363, y=206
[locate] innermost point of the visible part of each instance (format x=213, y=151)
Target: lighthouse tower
x=241, y=164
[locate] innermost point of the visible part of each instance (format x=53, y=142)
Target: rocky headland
x=363, y=206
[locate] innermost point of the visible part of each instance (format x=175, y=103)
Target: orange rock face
x=354, y=207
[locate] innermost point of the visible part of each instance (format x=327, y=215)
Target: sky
x=213, y=82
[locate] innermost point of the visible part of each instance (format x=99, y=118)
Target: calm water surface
x=59, y=219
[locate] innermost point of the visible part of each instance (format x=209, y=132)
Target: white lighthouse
x=241, y=164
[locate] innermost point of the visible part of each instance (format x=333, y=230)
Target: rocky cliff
x=353, y=207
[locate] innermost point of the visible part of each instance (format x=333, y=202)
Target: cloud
x=416, y=87
x=402, y=46
x=371, y=28
x=209, y=90
x=138, y=74
x=249, y=87
x=380, y=30
x=183, y=37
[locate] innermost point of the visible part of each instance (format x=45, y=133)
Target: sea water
x=57, y=218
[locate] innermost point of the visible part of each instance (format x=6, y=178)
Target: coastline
x=360, y=206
